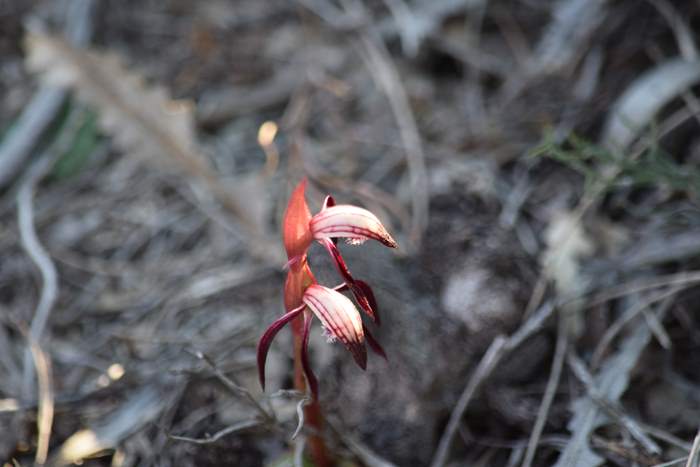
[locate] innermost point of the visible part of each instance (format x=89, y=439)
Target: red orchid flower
x=302, y=293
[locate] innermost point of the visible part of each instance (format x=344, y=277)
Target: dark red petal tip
x=374, y=345
x=268, y=336
x=366, y=291
x=359, y=353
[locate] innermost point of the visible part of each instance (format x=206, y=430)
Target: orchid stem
x=312, y=411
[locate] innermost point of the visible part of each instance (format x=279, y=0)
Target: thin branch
x=235, y=388
x=500, y=347
x=483, y=370
x=304, y=400
x=635, y=430
x=672, y=462
x=550, y=391
x=46, y=402
x=245, y=424
x=299, y=452
x=685, y=279
x=386, y=75
x=626, y=317
x=300, y=414
x=366, y=455
x=679, y=26
x=39, y=256
x=694, y=456
x=665, y=436
x=31, y=125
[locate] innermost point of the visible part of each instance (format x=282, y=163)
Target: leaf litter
x=160, y=234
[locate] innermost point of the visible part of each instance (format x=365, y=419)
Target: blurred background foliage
x=536, y=161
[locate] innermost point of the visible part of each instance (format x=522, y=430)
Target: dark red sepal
x=357, y=291
x=371, y=300
x=373, y=344
x=269, y=335
x=310, y=377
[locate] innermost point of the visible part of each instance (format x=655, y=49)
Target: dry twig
x=363, y=452
x=300, y=415
x=611, y=382
x=615, y=328
x=235, y=388
x=46, y=402
x=694, y=455
x=499, y=348
x=579, y=369
x=384, y=72
x=299, y=452
x=240, y=426
x=550, y=391
x=671, y=462
x=680, y=279
x=39, y=256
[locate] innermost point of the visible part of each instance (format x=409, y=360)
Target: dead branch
x=550, y=391
x=499, y=348
x=46, y=402
x=240, y=426
x=384, y=72
x=39, y=256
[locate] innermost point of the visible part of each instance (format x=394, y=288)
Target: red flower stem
x=312, y=411
x=297, y=326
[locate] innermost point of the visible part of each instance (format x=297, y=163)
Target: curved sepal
x=295, y=227
x=310, y=377
x=373, y=311
x=269, y=335
x=374, y=345
x=358, y=291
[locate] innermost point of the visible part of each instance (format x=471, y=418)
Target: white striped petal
x=340, y=318
x=351, y=222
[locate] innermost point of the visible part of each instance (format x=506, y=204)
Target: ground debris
x=536, y=162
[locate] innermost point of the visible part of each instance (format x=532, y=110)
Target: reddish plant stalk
x=312, y=411
x=299, y=380
x=305, y=299
x=299, y=278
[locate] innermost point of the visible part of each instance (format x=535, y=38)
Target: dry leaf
x=611, y=382
x=567, y=36
x=648, y=94
x=137, y=411
x=566, y=244
x=143, y=120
